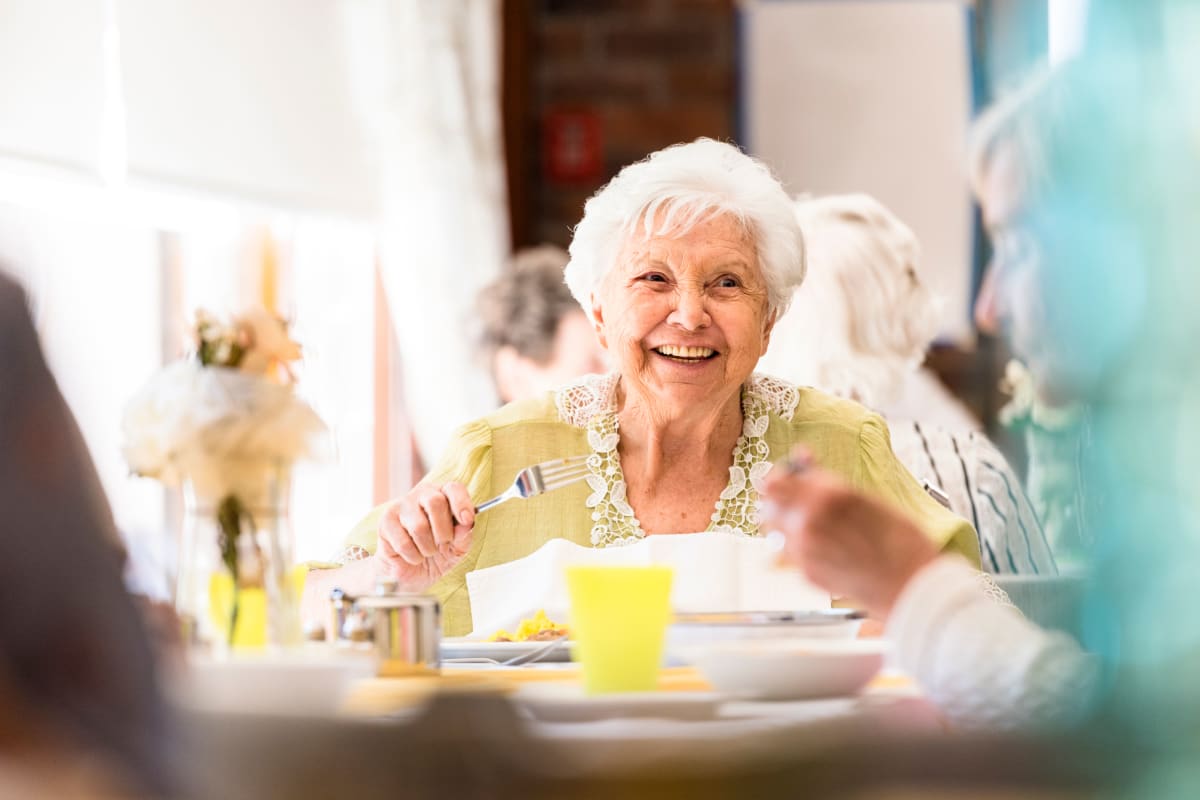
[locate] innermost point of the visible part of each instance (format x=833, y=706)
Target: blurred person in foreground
x=80, y=709
x=535, y=335
x=1095, y=282
x=683, y=262
x=859, y=329
x=1051, y=421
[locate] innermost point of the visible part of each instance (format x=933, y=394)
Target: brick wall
x=644, y=73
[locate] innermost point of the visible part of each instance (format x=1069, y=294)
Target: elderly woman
x=683, y=262
x=535, y=336
x=859, y=328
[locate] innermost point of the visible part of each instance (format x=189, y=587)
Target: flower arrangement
x=226, y=419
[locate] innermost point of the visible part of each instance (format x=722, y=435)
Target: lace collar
x=591, y=403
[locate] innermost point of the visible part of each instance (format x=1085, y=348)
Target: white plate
x=789, y=669
x=460, y=647
x=566, y=702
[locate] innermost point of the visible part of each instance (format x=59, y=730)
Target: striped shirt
x=982, y=489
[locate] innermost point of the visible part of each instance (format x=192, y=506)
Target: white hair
x=1024, y=119
x=677, y=188
x=863, y=319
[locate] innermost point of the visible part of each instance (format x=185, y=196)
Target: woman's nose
x=691, y=311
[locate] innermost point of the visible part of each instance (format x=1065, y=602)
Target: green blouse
x=486, y=455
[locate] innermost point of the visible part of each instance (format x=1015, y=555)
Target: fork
x=541, y=478
x=529, y=657
x=533, y=656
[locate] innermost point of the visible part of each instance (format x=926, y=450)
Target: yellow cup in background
x=251, y=630
x=619, y=620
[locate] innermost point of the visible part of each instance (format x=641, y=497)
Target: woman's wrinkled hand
x=425, y=533
x=847, y=543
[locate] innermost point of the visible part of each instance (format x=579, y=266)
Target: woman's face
x=685, y=316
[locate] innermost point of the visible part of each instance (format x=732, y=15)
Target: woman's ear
x=508, y=368
x=598, y=320
x=768, y=326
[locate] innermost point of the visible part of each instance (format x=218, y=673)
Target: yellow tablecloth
x=382, y=696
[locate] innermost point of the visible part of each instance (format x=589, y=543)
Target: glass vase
x=237, y=584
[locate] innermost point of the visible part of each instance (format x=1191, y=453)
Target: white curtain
x=426, y=78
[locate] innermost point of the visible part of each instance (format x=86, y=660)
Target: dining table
x=483, y=730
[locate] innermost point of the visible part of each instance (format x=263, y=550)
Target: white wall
x=245, y=98
x=871, y=96
x=51, y=81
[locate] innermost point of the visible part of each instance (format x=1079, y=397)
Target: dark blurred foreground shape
x=477, y=746
x=77, y=677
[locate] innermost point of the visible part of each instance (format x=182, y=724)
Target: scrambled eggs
x=538, y=628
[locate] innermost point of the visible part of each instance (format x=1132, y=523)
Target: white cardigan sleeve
x=982, y=663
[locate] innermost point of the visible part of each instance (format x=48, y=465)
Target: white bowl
x=302, y=683
x=789, y=669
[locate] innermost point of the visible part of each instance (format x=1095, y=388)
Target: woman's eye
x=654, y=277
x=728, y=282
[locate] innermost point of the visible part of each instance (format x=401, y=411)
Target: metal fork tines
x=534, y=656
x=541, y=478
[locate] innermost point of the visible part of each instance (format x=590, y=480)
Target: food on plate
x=538, y=628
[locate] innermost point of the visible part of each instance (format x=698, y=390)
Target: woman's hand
x=845, y=542
x=424, y=534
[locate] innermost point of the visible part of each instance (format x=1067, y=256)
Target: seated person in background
x=683, y=262
x=535, y=336
x=862, y=325
x=80, y=710
x=859, y=329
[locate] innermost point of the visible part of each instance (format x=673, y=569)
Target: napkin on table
x=713, y=572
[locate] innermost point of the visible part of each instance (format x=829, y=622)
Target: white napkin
x=713, y=572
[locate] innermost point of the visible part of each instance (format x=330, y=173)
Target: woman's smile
x=685, y=354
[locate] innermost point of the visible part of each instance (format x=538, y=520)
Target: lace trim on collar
x=591, y=403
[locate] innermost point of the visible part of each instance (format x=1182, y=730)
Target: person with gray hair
x=535, y=336
x=859, y=328
x=683, y=262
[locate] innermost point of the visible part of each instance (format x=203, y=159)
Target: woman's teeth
x=687, y=353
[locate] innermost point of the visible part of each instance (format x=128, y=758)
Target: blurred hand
x=424, y=534
x=847, y=543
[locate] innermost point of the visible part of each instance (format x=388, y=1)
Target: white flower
x=758, y=472
x=737, y=482
x=754, y=427
x=619, y=502
x=599, y=488
x=190, y=419
x=602, y=444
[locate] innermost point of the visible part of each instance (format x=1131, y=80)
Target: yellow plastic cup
x=619, y=620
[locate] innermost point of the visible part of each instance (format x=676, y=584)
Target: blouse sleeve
x=983, y=664
x=468, y=459
x=881, y=473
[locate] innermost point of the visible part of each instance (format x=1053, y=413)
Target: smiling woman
x=683, y=262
